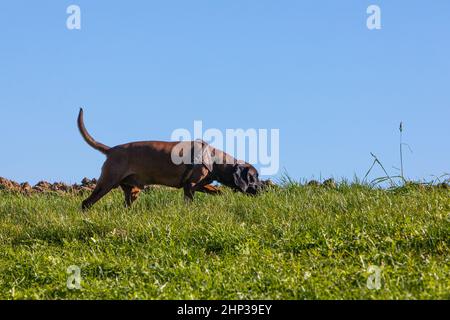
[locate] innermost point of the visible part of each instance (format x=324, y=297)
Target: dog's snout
x=254, y=189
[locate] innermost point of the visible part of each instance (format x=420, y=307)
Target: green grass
x=294, y=243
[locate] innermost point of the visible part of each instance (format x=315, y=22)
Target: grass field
x=300, y=242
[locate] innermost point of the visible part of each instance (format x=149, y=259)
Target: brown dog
x=135, y=165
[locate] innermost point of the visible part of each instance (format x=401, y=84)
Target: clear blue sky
x=141, y=69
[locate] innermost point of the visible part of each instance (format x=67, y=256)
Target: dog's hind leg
x=107, y=181
x=131, y=194
x=96, y=195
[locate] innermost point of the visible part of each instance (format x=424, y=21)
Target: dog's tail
x=88, y=138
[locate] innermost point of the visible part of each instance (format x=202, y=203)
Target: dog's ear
x=203, y=155
x=240, y=177
x=208, y=157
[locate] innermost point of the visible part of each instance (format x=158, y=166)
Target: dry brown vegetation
x=44, y=186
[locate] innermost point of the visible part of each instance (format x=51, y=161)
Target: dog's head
x=246, y=178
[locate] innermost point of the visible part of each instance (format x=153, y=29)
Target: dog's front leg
x=197, y=181
x=189, y=191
